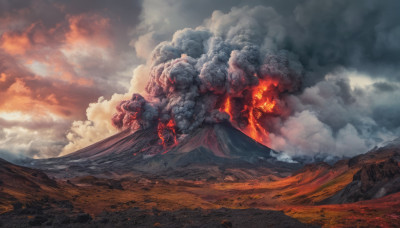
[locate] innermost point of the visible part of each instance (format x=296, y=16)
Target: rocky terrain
x=370, y=182
x=135, y=217
x=222, y=188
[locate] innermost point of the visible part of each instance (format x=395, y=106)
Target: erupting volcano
x=246, y=116
x=209, y=82
x=209, y=104
x=182, y=113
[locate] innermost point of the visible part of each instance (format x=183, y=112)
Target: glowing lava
x=262, y=103
x=227, y=107
x=166, y=132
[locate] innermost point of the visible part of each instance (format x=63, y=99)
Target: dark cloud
x=324, y=34
x=59, y=56
x=357, y=34
x=385, y=87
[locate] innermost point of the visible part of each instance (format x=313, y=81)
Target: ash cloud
x=191, y=75
x=314, y=49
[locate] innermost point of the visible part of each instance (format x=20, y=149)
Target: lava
x=167, y=134
x=227, y=107
x=262, y=103
x=254, y=129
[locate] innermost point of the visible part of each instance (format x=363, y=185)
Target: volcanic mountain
x=214, y=151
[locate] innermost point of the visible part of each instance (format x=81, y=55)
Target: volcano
x=214, y=151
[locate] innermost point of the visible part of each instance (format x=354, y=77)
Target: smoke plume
x=194, y=77
x=285, y=81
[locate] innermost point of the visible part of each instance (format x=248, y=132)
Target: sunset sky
x=64, y=65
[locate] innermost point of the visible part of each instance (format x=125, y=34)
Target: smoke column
x=285, y=89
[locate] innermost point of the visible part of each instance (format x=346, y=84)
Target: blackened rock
x=38, y=220
x=83, y=218
x=62, y=220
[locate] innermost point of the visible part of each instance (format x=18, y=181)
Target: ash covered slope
x=212, y=151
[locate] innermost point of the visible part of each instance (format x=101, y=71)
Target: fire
x=254, y=129
x=263, y=97
x=262, y=103
x=166, y=132
x=227, y=107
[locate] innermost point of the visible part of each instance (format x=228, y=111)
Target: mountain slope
x=23, y=184
x=366, y=176
x=213, y=151
x=370, y=182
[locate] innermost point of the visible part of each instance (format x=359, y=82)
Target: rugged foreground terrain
x=361, y=191
x=135, y=217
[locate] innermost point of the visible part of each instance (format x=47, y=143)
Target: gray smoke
x=194, y=73
x=312, y=53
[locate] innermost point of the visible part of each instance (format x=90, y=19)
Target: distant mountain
x=212, y=152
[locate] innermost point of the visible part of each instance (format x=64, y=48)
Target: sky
x=65, y=65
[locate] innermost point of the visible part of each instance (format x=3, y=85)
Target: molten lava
x=262, y=103
x=166, y=132
x=262, y=97
x=227, y=107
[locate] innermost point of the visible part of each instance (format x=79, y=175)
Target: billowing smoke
x=196, y=76
x=287, y=81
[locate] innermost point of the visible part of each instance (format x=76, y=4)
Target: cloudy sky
x=65, y=65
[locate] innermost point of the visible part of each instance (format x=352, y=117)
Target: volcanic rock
x=371, y=181
x=217, y=150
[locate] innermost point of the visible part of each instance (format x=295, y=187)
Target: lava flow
x=262, y=103
x=227, y=107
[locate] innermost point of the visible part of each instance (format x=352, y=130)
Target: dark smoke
x=194, y=73
x=311, y=53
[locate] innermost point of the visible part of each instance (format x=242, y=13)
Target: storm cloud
x=336, y=63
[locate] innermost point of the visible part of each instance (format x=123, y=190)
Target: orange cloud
x=3, y=77
x=15, y=44
x=57, y=58
x=19, y=87
x=88, y=29
x=41, y=96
